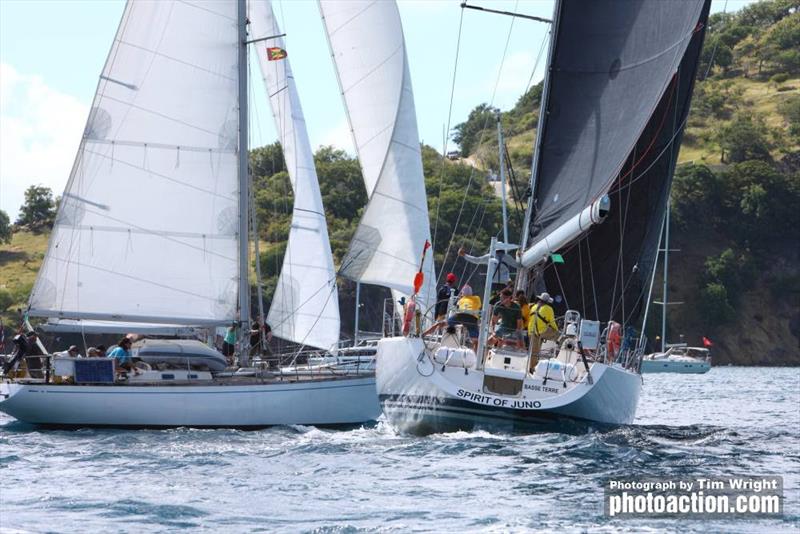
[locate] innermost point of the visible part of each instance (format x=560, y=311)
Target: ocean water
x=730, y=422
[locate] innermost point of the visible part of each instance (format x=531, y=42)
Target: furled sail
x=305, y=306
x=147, y=227
x=616, y=105
x=367, y=45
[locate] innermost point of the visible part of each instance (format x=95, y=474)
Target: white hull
x=683, y=366
x=310, y=402
x=418, y=396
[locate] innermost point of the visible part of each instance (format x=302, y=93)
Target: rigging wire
x=447, y=136
x=480, y=141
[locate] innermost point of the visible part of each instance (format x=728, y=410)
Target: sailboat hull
x=314, y=402
x=683, y=366
x=420, y=397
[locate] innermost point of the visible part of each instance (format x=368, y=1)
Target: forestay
x=368, y=49
x=147, y=226
x=305, y=306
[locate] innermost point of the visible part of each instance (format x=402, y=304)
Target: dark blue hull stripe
x=457, y=407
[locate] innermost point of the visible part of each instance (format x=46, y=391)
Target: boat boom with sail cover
x=152, y=229
x=614, y=102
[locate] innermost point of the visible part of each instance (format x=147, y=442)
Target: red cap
x=451, y=278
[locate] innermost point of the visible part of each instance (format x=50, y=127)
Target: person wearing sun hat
x=542, y=325
x=443, y=295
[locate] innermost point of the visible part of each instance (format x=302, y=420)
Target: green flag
x=557, y=258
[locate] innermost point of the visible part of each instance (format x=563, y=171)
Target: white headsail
x=147, y=228
x=367, y=45
x=305, y=307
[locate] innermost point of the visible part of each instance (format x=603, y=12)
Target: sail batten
x=147, y=224
x=371, y=63
x=304, y=307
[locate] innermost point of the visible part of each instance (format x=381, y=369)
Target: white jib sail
x=367, y=45
x=305, y=307
x=147, y=228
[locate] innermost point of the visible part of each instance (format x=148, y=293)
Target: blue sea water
x=730, y=422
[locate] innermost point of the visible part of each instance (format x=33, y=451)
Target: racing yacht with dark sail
x=615, y=100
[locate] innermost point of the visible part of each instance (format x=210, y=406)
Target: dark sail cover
x=605, y=274
x=610, y=64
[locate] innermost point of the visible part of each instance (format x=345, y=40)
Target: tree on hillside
x=5, y=228
x=790, y=111
x=39, y=210
x=746, y=137
x=467, y=134
x=267, y=160
x=695, y=195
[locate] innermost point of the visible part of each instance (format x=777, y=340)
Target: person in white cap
x=542, y=325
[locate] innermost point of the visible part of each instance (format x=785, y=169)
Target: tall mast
x=244, y=188
x=501, y=148
x=664, y=300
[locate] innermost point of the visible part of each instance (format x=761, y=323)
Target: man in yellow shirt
x=469, y=309
x=542, y=325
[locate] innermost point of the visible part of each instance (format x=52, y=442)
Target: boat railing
x=34, y=367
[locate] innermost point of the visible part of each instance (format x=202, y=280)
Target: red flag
x=274, y=53
x=707, y=342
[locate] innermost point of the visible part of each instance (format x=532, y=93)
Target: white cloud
x=40, y=130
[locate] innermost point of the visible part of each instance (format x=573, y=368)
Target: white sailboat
x=615, y=98
x=152, y=231
x=674, y=357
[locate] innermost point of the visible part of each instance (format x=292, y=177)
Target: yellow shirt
x=471, y=303
x=538, y=325
x=526, y=313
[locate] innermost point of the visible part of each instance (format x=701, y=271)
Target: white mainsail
x=367, y=45
x=305, y=307
x=147, y=228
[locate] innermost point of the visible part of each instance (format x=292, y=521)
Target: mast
x=501, y=149
x=244, y=187
x=664, y=295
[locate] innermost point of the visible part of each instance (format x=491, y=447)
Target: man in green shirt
x=507, y=321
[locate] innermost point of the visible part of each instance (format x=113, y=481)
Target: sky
x=52, y=52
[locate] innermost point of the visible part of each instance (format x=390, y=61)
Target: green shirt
x=509, y=315
x=230, y=336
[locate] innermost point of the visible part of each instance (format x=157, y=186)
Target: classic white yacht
x=678, y=359
x=152, y=235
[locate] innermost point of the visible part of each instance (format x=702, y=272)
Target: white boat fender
x=555, y=370
x=455, y=357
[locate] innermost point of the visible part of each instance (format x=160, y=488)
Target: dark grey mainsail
x=620, y=83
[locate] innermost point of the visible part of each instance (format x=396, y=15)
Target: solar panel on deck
x=94, y=370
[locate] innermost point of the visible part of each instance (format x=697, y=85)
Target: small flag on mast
x=707, y=343
x=557, y=258
x=274, y=53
